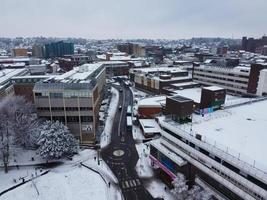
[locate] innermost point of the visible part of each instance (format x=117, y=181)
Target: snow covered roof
x=184, y=84
x=158, y=69
x=241, y=128
x=156, y=101
x=213, y=88
x=149, y=126
x=7, y=74
x=239, y=131
x=79, y=74
x=173, y=156
x=193, y=93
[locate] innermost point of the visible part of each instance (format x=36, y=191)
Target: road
x=121, y=155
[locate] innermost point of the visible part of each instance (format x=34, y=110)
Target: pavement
x=121, y=154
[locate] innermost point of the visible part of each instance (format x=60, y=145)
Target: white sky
x=101, y=19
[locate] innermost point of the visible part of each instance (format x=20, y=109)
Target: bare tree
x=12, y=110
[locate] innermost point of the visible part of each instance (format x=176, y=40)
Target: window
x=56, y=95
x=58, y=118
x=86, y=108
x=87, y=118
x=71, y=108
x=72, y=119
x=57, y=108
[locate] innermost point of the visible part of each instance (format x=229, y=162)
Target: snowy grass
x=69, y=181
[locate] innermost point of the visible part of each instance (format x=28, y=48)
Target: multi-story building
x=58, y=49
x=238, y=80
x=6, y=87
x=132, y=49
x=19, y=52
x=155, y=79
x=229, y=160
x=116, y=68
x=74, y=99
x=251, y=44
x=67, y=62
x=23, y=85
x=37, y=51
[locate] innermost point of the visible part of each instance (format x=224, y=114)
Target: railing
x=236, y=157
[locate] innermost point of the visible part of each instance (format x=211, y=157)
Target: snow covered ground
x=105, y=137
x=19, y=156
x=69, y=181
x=158, y=189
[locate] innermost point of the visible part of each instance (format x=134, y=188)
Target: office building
x=157, y=79
x=37, y=51
x=238, y=80
x=58, y=49
x=74, y=99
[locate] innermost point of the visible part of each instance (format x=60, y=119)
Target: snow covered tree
x=181, y=191
x=180, y=188
x=12, y=110
x=56, y=141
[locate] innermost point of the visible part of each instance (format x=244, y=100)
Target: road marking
x=134, y=183
x=138, y=181
x=127, y=184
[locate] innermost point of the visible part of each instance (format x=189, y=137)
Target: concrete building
x=238, y=80
x=156, y=79
x=233, y=167
x=37, y=51
x=6, y=87
x=116, y=68
x=23, y=85
x=74, y=99
x=132, y=49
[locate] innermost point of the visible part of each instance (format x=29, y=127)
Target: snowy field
x=70, y=181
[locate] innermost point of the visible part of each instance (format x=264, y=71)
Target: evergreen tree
x=56, y=141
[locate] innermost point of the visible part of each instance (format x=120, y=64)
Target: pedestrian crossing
x=131, y=183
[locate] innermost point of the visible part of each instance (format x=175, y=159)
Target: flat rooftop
x=149, y=126
x=195, y=95
x=7, y=74
x=156, y=101
x=242, y=129
x=80, y=74
x=158, y=69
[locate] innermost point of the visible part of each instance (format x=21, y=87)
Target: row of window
x=72, y=119
x=65, y=94
x=62, y=108
x=222, y=78
x=223, y=73
x=257, y=196
x=219, y=160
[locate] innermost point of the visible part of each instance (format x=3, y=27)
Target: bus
x=129, y=123
x=129, y=111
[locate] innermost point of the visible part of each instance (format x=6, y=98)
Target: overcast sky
x=129, y=19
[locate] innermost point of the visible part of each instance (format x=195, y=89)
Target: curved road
x=121, y=155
